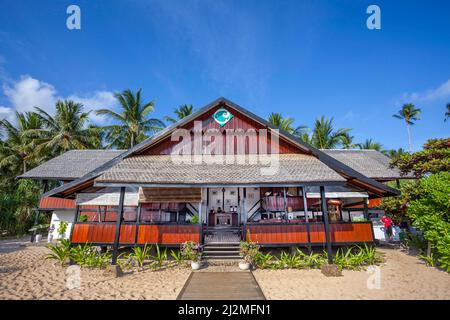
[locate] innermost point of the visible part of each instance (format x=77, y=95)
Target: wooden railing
x=297, y=233
x=131, y=234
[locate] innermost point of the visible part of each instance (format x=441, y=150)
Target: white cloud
x=437, y=94
x=28, y=92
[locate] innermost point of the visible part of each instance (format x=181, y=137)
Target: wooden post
x=244, y=236
x=207, y=207
x=200, y=221
x=285, y=203
x=119, y=217
x=305, y=209
x=75, y=220
x=326, y=225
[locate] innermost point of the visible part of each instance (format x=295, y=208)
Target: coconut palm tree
x=393, y=154
x=133, y=122
x=285, y=124
x=369, y=144
x=347, y=141
x=447, y=113
x=324, y=136
x=408, y=113
x=18, y=150
x=181, y=112
x=67, y=130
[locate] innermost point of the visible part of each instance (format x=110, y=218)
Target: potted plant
x=248, y=251
x=192, y=251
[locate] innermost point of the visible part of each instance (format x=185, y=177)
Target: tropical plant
x=125, y=260
x=83, y=218
x=18, y=151
x=394, y=154
x=434, y=158
x=133, y=122
x=286, y=124
x=313, y=260
x=369, y=144
x=248, y=251
x=181, y=113
x=160, y=257
x=430, y=260
x=408, y=113
x=140, y=254
x=263, y=261
x=347, y=141
x=324, y=136
x=83, y=255
x=62, y=228
x=60, y=252
x=191, y=251
x=177, y=256
x=68, y=129
x=430, y=214
x=195, y=219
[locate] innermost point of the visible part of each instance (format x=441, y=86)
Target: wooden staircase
x=222, y=244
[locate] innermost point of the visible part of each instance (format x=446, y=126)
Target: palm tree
x=66, y=130
x=447, y=113
x=324, y=136
x=393, y=154
x=181, y=112
x=409, y=113
x=285, y=124
x=370, y=145
x=133, y=120
x=347, y=141
x=18, y=151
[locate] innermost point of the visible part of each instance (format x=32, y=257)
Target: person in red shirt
x=387, y=226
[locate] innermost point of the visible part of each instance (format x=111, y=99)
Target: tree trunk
x=132, y=140
x=409, y=137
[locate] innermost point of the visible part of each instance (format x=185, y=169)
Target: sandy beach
x=402, y=277
x=24, y=274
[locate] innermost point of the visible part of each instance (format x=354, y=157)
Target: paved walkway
x=221, y=286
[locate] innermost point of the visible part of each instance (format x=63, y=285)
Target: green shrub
x=140, y=254
x=177, y=256
x=160, y=257
x=62, y=228
x=60, y=252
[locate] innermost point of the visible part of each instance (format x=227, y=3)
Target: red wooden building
x=234, y=171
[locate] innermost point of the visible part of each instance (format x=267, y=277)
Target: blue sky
x=301, y=58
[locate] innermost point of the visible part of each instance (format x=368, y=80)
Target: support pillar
x=244, y=209
x=200, y=222
x=305, y=209
x=326, y=224
x=119, y=218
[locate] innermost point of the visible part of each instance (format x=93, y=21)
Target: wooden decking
x=221, y=286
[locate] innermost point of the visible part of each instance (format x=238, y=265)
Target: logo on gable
x=222, y=116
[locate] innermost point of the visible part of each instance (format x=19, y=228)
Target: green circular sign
x=222, y=116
